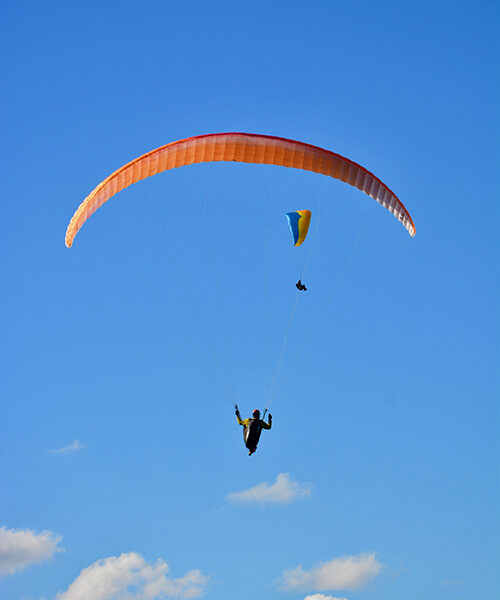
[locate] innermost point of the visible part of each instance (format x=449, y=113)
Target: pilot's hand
x=270, y=417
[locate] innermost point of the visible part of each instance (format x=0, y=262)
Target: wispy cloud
x=347, y=572
x=322, y=597
x=22, y=547
x=282, y=491
x=73, y=447
x=131, y=577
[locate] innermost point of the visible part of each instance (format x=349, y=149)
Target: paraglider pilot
x=300, y=286
x=252, y=428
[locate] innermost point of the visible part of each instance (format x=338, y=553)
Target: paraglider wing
x=299, y=225
x=239, y=147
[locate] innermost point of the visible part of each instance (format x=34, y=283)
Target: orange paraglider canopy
x=239, y=147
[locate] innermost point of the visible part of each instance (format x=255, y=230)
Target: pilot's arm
x=268, y=425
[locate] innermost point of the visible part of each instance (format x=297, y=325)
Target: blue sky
x=122, y=464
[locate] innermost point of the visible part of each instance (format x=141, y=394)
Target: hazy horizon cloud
x=20, y=548
x=347, y=572
x=322, y=597
x=73, y=447
x=130, y=577
x=282, y=491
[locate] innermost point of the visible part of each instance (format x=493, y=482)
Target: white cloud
x=22, y=547
x=75, y=445
x=282, y=491
x=347, y=572
x=322, y=597
x=131, y=577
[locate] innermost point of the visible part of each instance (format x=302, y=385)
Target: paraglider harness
x=252, y=431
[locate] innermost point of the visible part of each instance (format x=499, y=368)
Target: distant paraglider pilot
x=300, y=286
x=252, y=428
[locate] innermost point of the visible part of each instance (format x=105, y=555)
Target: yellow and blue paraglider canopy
x=299, y=225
